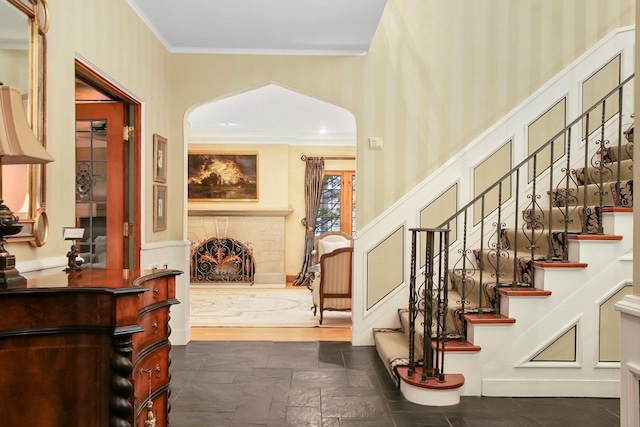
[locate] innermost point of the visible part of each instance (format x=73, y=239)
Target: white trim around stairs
x=424, y=396
x=549, y=387
x=406, y=211
x=629, y=308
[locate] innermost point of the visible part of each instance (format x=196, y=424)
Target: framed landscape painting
x=218, y=177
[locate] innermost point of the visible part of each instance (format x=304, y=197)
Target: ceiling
x=278, y=27
x=261, y=27
x=272, y=114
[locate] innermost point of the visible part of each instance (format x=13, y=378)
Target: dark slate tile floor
x=333, y=384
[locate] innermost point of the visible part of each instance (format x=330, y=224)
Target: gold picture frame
x=215, y=176
x=159, y=158
x=159, y=207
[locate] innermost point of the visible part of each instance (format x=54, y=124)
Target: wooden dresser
x=88, y=348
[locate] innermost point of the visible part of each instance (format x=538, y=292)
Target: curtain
x=314, y=174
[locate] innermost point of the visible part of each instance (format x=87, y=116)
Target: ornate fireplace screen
x=222, y=259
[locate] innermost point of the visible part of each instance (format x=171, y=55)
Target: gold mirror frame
x=36, y=226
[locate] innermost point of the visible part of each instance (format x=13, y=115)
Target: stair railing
x=429, y=297
x=504, y=257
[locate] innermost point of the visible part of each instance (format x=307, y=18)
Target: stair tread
x=458, y=346
x=523, y=292
x=594, y=237
x=451, y=381
x=592, y=173
x=560, y=264
x=488, y=318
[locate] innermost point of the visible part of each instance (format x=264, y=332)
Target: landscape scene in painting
x=222, y=176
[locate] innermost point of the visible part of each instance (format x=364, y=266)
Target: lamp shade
x=18, y=144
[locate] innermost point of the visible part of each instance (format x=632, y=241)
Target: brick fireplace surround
x=262, y=230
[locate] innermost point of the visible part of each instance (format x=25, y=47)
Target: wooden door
x=101, y=183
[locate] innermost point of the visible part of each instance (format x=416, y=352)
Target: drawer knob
x=155, y=327
x=155, y=290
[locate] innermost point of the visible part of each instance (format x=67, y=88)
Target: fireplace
x=222, y=259
x=261, y=230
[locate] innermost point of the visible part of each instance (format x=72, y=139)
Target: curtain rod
x=304, y=157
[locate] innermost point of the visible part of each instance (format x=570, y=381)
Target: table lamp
x=18, y=145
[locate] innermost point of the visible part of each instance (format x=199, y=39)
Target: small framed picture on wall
x=159, y=158
x=159, y=207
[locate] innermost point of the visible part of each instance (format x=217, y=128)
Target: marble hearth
x=262, y=230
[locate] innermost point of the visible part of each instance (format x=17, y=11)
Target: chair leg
x=315, y=307
x=321, y=317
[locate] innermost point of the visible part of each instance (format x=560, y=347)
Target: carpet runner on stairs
x=508, y=263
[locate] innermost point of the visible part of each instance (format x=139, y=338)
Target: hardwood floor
x=271, y=334
x=321, y=333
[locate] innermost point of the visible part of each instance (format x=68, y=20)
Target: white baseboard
x=180, y=337
x=545, y=387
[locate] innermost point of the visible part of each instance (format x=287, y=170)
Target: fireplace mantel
x=240, y=212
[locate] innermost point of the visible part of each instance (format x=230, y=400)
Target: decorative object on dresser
x=74, y=260
x=18, y=146
x=87, y=348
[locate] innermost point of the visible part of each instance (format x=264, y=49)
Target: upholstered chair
x=327, y=242
x=332, y=285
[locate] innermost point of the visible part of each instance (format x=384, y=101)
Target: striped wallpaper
x=438, y=73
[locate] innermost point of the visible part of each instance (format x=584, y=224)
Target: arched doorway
x=278, y=126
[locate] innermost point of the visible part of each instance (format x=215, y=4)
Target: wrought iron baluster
x=432, y=300
x=499, y=251
x=427, y=364
x=618, y=201
x=584, y=179
x=568, y=198
x=438, y=306
x=463, y=273
x=444, y=303
x=412, y=306
x=602, y=168
x=515, y=248
x=481, y=258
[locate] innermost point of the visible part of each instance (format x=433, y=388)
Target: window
x=337, y=203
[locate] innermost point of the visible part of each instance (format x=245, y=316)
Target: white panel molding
x=526, y=362
x=460, y=169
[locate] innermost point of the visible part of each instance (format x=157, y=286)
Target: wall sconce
x=18, y=145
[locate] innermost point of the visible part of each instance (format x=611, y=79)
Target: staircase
x=521, y=296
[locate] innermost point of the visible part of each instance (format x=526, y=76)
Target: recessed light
x=323, y=131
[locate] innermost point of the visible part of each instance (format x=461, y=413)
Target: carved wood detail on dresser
x=88, y=348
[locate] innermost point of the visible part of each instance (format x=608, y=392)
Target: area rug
x=259, y=307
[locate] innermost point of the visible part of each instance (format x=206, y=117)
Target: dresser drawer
x=158, y=291
x=156, y=328
x=152, y=370
x=159, y=411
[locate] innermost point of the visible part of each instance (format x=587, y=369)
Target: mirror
x=23, y=25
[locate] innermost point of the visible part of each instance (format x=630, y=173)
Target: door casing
x=132, y=158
